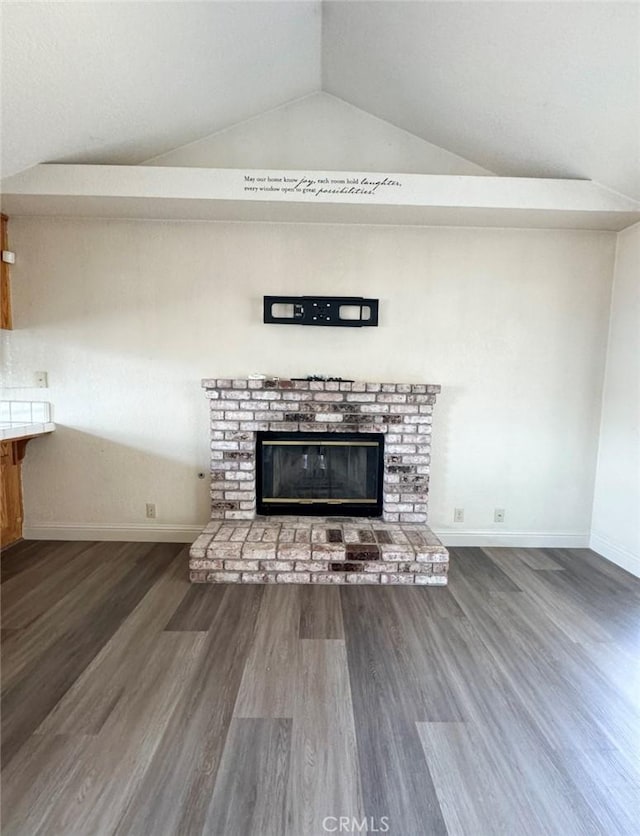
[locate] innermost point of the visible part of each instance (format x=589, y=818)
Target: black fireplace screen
x=311, y=473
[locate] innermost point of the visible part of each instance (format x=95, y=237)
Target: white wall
x=319, y=132
x=127, y=317
x=616, y=508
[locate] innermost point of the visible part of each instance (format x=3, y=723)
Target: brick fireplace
x=240, y=546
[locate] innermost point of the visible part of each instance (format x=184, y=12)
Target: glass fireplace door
x=310, y=473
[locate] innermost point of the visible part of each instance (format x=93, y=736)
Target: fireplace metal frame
x=305, y=507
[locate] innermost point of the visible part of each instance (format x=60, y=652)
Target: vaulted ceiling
x=521, y=88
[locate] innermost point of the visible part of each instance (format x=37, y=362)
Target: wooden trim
x=6, y=320
x=11, y=507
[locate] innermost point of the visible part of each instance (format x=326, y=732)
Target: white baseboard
x=162, y=533
x=516, y=539
x=616, y=554
x=132, y=532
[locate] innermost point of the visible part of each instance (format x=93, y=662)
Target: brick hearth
x=318, y=550
x=238, y=547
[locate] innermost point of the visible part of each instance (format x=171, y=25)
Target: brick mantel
x=240, y=407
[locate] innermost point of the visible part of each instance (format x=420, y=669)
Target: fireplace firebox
x=320, y=474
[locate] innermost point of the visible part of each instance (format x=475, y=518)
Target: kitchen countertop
x=14, y=431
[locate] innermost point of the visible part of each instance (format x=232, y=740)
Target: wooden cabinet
x=5, y=290
x=11, y=455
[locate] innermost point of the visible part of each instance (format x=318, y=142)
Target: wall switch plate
x=151, y=510
x=42, y=380
x=498, y=515
x=8, y=257
x=458, y=514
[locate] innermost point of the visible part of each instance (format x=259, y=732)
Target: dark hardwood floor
x=134, y=703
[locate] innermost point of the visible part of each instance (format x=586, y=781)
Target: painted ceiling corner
x=545, y=90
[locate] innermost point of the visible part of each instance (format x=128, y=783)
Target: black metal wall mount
x=342, y=311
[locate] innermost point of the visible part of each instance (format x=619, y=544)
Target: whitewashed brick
x=294, y=395
x=361, y=397
x=387, y=398
x=224, y=425
x=205, y=564
x=374, y=408
x=293, y=577
x=310, y=566
x=223, y=577
x=361, y=577
x=405, y=409
x=258, y=577
x=433, y=557
x=199, y=547
x=388, y=578
x=259, y=551
x=239, y=476
x=277, y=565
x=329, y=397
x=413, y=518
x=268, y=395
x=241, y=565
x=233, y=396
x=227, y=445
x=400, y=448
x=328, y=577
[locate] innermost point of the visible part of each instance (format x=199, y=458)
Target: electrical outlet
x=151, y=510
x=42, y=380
x=458, y=514
x=498, y=515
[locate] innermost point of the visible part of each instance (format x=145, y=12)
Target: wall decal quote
x=310, y=186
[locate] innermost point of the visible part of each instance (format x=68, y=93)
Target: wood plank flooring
x=135, y=703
